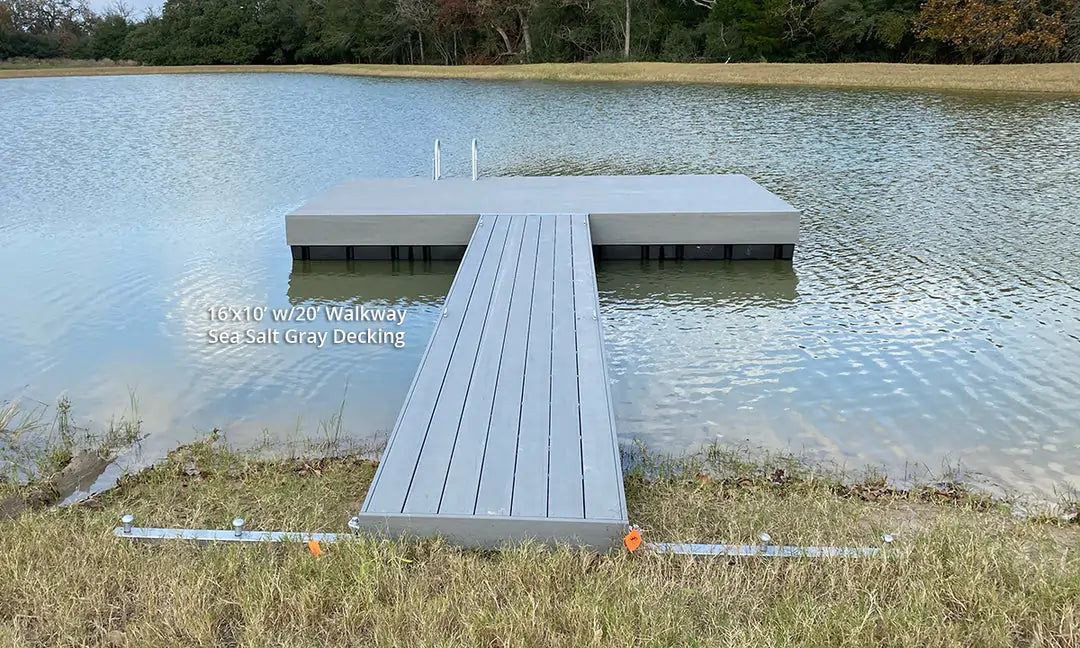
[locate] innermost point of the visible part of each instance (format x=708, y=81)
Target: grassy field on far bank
x=963, y=571
x=1051, y=77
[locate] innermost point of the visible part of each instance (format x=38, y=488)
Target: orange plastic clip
x=632, y=540
x=314, y=548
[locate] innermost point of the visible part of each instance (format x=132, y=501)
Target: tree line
x=191, y=32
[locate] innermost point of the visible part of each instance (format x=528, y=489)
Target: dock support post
x=475, y=172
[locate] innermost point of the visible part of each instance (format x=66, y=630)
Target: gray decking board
x=592, y=194
x=468, y=454
x=599, y=450
x=389, y=487
x=565, y=480
x=496, y=487
x=507, y=431
x=531, y=465
x=430, y=476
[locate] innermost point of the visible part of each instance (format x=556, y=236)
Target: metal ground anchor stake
x=887, y=539
x=128, y=520
x=765, y=540
x=238, y=527
x=354, y=525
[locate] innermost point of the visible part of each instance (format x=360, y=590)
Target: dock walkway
x=507, y=431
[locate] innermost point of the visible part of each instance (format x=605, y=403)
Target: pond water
x=930, y=318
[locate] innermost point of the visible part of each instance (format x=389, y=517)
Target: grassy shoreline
x=962, y=572
x=1060, y=78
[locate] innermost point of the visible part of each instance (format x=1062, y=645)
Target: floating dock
x=652, y=216
x=507, y=432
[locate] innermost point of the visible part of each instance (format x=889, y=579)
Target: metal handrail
x=436, y=165
x=475, y=170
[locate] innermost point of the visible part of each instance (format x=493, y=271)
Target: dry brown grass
x=1052, y=77
x=24, y=63
x=963, y=572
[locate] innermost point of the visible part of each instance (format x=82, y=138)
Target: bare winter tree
x=526, y=35
x=506, y=16
x=416, y=16
x=797, y=16
x=618, y=14
x=45, y=16
x=120, y=8
x=1071, y=51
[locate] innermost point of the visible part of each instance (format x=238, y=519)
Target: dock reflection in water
x=691, y=343
x=411, y=283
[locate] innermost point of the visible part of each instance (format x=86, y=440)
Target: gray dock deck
x=507, y=431
x=726, y=216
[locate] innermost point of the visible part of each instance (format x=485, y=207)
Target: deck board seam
x=577, y=360
x=525, y=366
x=551, y=366
x=525, y=270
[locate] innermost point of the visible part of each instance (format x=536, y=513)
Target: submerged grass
x=963, y=572
x=39, y=441
x=1043, y=77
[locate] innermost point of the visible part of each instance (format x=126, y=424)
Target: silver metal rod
x=203, y=536
x=475, y=169
x=763, y=550
x=438, y=164
x=240, y=534
x=220, y=535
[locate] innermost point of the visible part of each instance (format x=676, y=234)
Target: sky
x=139, y=7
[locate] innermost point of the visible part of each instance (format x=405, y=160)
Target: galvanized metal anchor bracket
x=766, y=549
x=238, y=533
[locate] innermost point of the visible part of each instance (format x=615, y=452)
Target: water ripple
x=932, y=311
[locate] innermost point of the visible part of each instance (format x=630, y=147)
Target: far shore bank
x=1061, y=78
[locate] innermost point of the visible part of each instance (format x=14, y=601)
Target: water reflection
x=687, y=284
x=370, y=282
